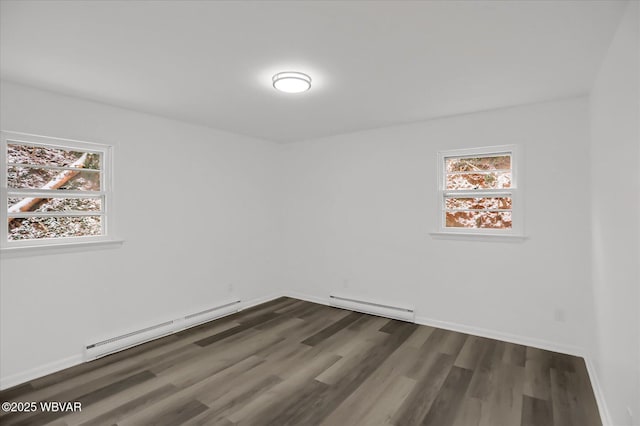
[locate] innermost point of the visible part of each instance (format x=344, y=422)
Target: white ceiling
x=373, y=63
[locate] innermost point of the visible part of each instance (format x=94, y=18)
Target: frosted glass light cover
x=292, y=82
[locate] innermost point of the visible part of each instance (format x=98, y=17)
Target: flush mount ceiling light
x=291, y=82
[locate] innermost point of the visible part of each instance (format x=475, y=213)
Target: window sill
x=514, y=238
x=59, y=248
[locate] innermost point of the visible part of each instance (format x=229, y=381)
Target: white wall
x=615, y=153
x=359, y=208
x=197, y=209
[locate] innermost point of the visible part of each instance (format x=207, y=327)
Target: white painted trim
x=515, y=191
x=106, y=188
x=258, y=301
x=72, y=247
x=55, y=366
x=498, y=335
x=506, y=337
x=308, y=298
x=476, y=331
x=514, y=238
x=605, y=415
x=40, y=371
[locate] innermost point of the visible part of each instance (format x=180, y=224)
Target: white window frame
x=515, y=192
x=106, y=185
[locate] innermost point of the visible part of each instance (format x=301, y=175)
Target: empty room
x=326, y=213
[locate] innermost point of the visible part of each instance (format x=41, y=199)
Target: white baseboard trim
x=258, y=301
x=498, y=335
x=40, y=371
x=605, y=415
x=467, y=329
x=71, y=361
x=55, y=366
x=505, y=337
x=308, y=298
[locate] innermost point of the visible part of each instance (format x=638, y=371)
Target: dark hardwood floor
x=290, y=362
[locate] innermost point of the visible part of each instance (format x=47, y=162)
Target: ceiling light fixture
x=291, y=82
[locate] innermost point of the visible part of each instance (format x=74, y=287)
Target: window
x=54, y=191
x=478, y=191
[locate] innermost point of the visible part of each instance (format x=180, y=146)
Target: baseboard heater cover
x=211, y=314
x=137, y=337
x=368, y=307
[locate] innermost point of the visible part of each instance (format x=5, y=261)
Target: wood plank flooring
x=291, y=362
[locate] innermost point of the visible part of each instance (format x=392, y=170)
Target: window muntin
x=60, y=204
x=478, y=190
x=55, y=190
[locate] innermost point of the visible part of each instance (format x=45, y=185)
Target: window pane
x=58, y=204
x=476, y=164
x=25, y=154
x=35, y=178
x=493, y=203
x=33, y=228
x=480, y=219
x=487, y=180
x=83, y=181
x=27, y=177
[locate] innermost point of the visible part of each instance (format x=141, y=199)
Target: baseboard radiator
x=127, y=340
x=375, y=308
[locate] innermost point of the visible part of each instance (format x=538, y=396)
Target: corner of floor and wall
x=350, y=214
